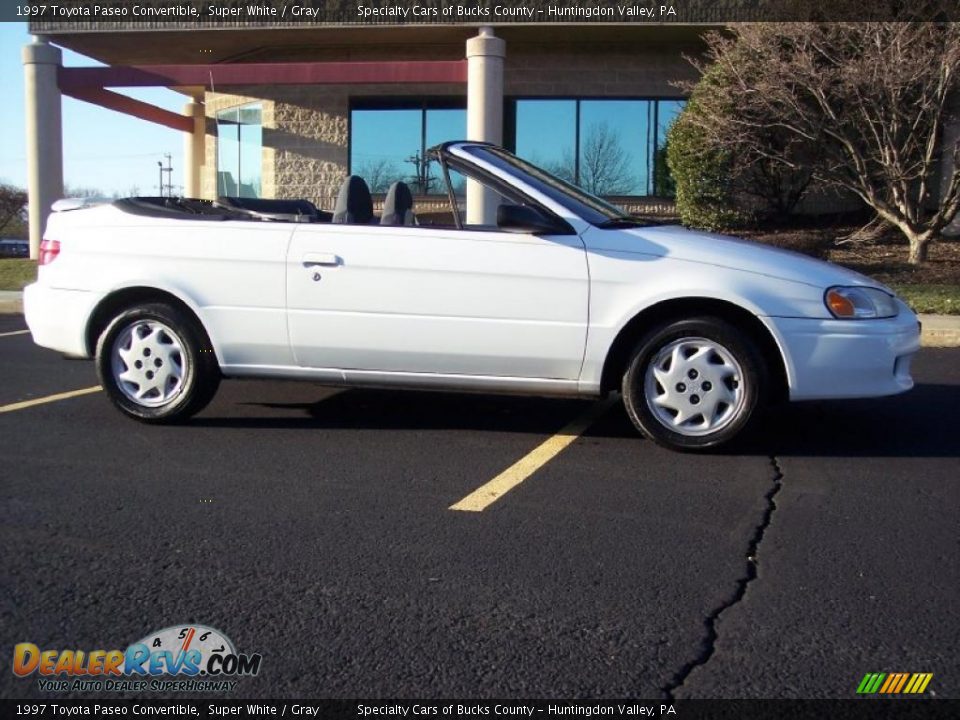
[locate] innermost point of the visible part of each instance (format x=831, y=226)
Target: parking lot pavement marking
x=15, y=332
x=49, y=399
x=489, y=493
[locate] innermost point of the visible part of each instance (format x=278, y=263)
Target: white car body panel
x=402, y=299
x=454, y=309
x=57, y=318
x=231, y=274
x=847, y=359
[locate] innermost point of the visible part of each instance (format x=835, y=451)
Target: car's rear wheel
x=693, y=384
x=156, y=364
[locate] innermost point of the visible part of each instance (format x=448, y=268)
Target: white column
x=194, y=149
x=485, y=55
x=44, y=135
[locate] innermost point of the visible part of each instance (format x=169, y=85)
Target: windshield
x=586, y=206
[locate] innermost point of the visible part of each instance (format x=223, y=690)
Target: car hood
x=728, y=252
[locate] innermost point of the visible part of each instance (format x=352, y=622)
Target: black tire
x=691, y=411
x=169, y=345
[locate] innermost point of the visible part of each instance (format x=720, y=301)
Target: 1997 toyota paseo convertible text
x=527, y=285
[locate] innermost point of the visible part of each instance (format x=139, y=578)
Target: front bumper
x=848, y=358
x=58, y=318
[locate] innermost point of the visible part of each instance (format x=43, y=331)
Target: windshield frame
x=589, y=208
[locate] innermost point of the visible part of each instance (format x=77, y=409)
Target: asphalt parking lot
x=314, y=526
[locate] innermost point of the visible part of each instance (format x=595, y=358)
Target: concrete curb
x=11, y=302
x=938, y=330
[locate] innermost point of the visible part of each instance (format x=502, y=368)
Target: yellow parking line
x=487, y=494
x=15, y=332
x=49, y=399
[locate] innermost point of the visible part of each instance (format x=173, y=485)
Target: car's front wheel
x=156, y=364
x=693, y=384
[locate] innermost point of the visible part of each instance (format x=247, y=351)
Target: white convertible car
x=527, y=285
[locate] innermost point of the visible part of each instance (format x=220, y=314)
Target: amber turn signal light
x=840, y=305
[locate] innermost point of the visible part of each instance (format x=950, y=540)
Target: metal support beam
x=130, y=106
x=224, y=74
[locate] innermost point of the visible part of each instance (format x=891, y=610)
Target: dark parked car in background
x=14, y=248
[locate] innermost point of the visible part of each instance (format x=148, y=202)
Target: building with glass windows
x=291, y=111
x=591, y=104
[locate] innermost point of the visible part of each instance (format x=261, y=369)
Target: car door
x=234, y=272
x=437, y=300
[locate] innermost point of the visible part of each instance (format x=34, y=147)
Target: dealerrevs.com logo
x=180, y=658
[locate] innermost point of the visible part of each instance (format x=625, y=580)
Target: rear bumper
x=848, y=359
x=58, y=318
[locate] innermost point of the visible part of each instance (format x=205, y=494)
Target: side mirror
x=528, y=219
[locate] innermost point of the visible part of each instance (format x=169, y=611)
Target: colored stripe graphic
x=903, y=679
x=894, y=683
x=918, y=683
x=892, y=679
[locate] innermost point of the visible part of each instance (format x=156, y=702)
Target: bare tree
x=764, y=170
x=379, y=174
x=12, y=202
x=564, y=168
x=871, y=97
x=79, y=191
x=604, y=164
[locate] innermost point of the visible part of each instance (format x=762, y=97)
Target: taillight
x=49, y=249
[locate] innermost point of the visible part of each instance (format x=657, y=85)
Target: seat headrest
x=354, y=204
x=397, y=206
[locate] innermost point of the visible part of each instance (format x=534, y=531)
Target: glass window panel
x=250, y=155
x=478, y=204
x=228, y=152
x=385, y=146
x=667, y=112
x=442, y=126
x=459, y=184
x=614, y=153
x=239, y=145
x=547, y=133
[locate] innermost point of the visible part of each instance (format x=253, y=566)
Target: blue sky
x=102, y=149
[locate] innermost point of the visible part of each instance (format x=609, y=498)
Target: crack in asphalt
x=709, y=644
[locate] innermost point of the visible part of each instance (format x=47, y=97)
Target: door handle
x=323, y=259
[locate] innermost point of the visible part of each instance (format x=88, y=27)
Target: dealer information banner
x=90, y=14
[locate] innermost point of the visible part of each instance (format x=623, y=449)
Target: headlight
x=860, y=303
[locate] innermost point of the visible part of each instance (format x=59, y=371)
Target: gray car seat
x=398, y=206
x=354, y=204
